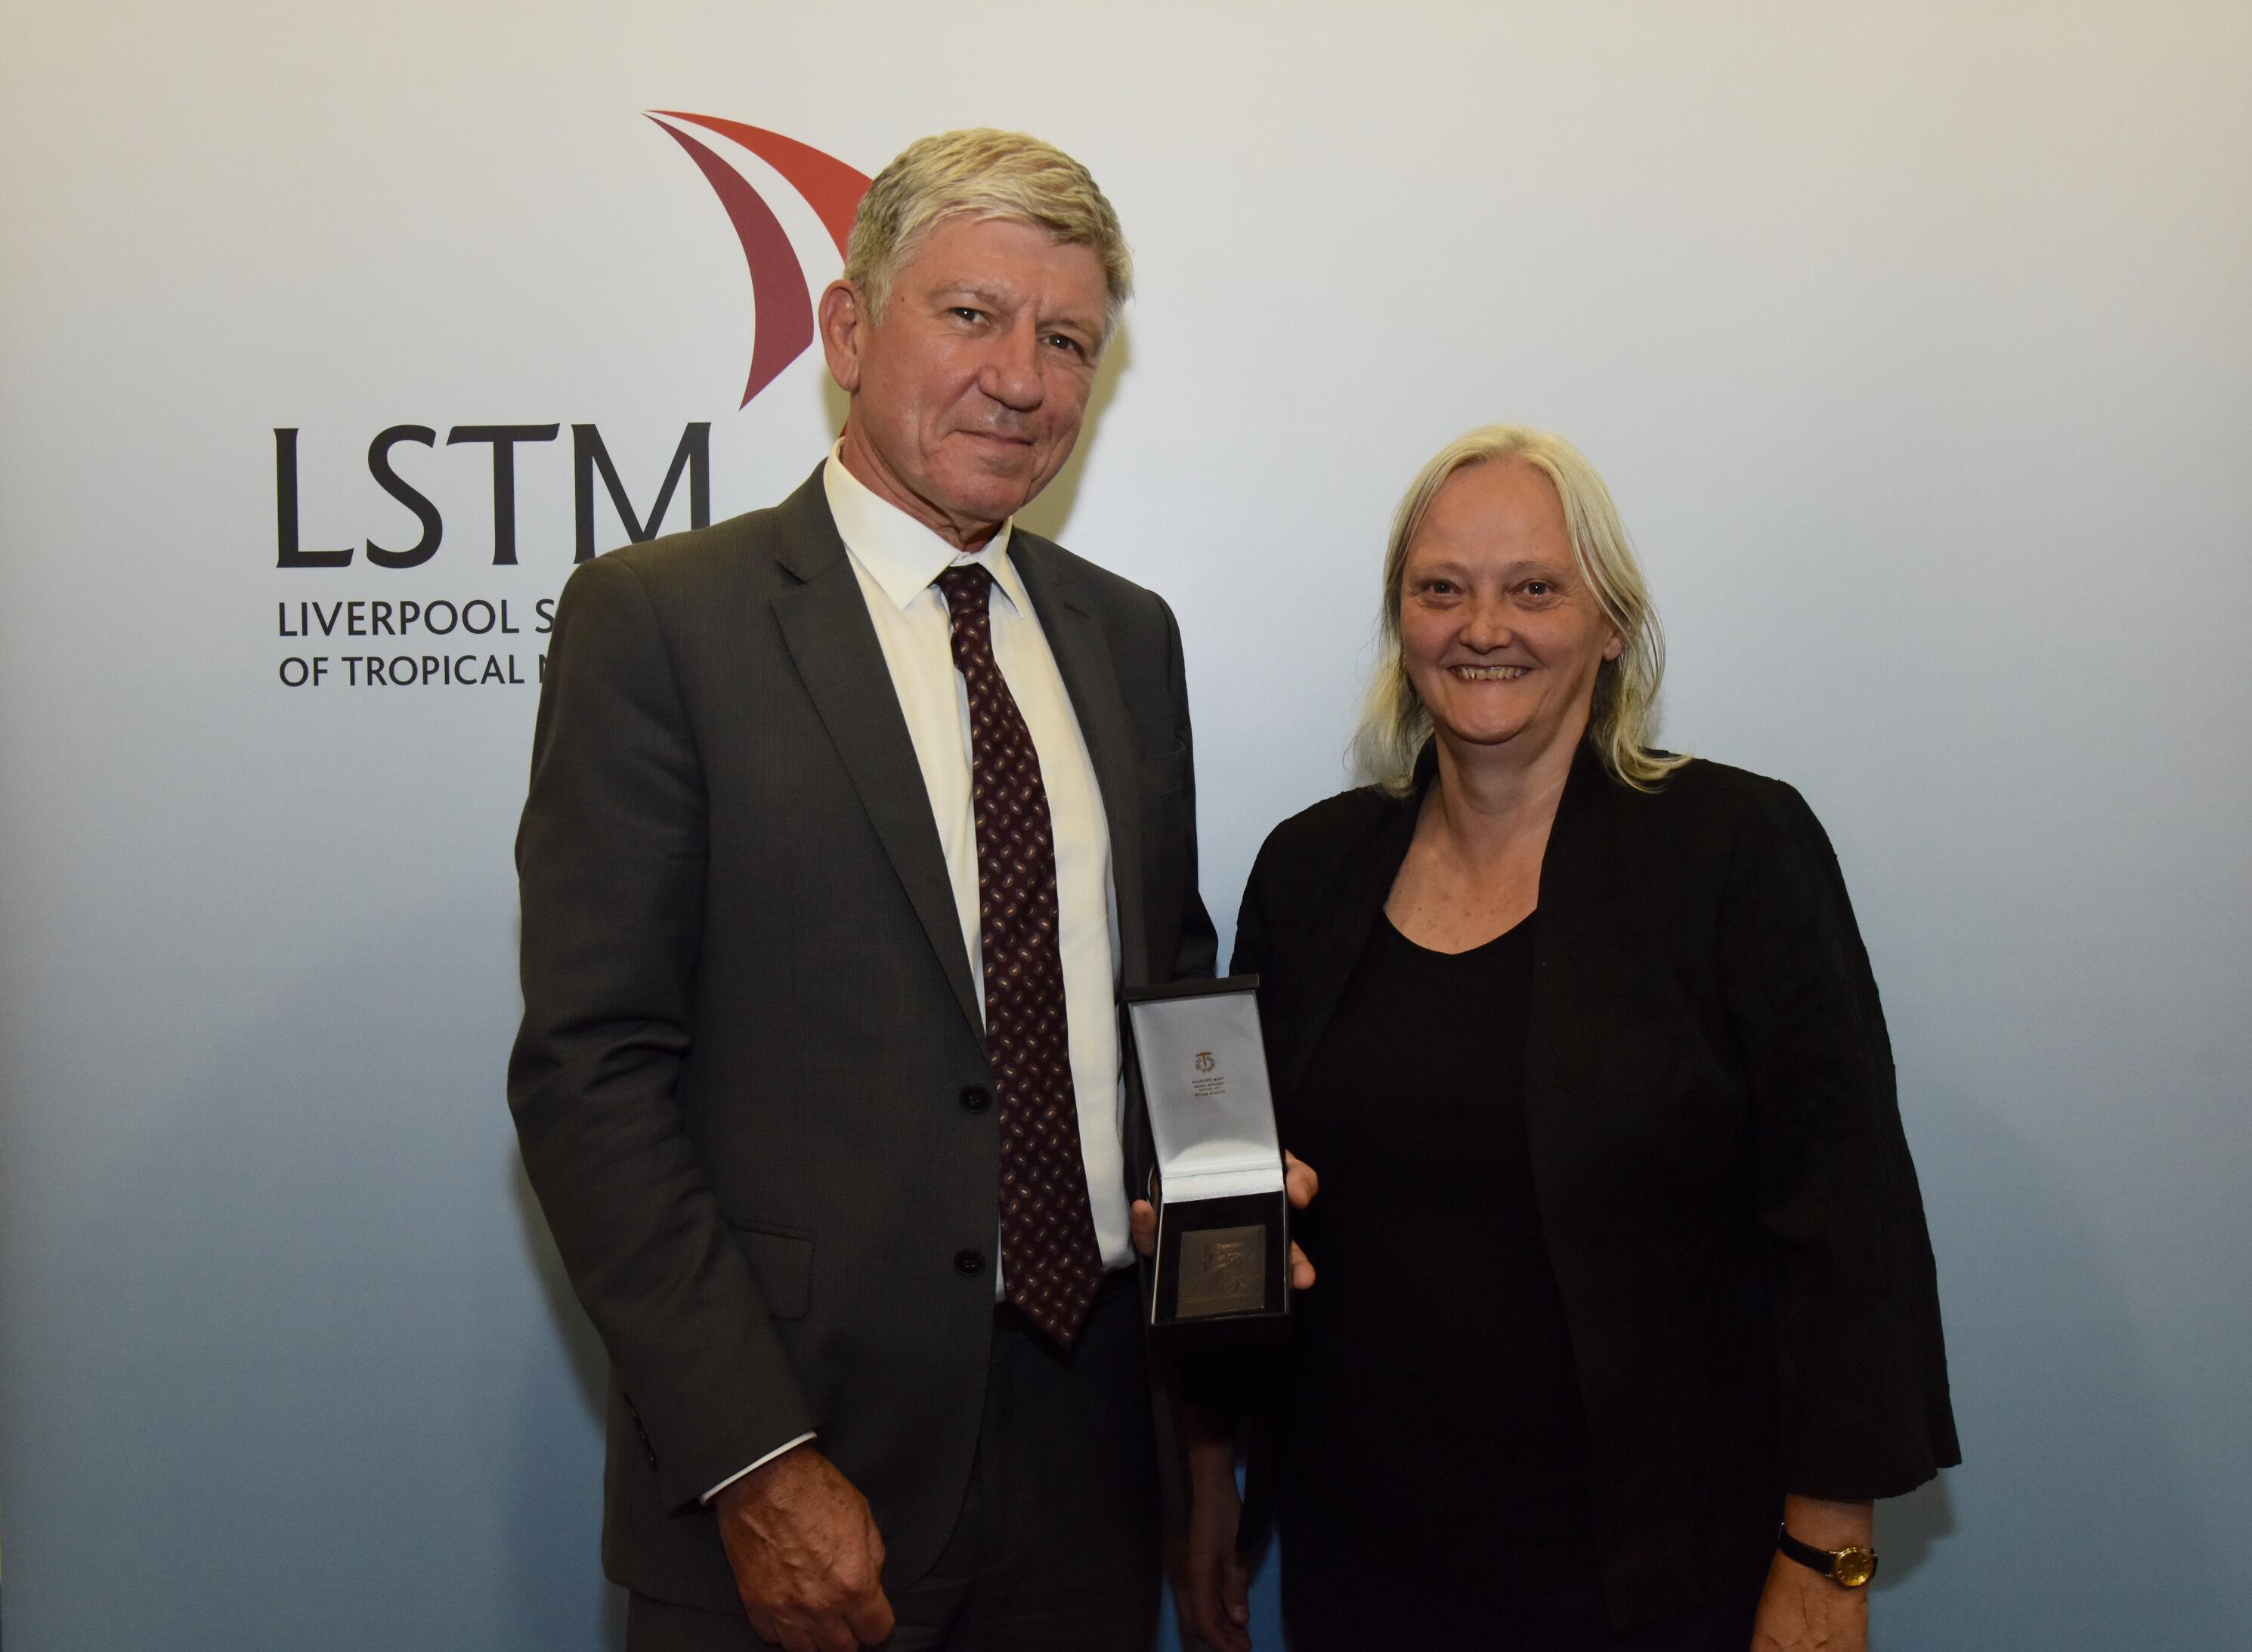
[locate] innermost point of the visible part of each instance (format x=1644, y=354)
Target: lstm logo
x=778, y=285
x=432, y=488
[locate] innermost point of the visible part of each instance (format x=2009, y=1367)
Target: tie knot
x=965, y=583
x=966, y=587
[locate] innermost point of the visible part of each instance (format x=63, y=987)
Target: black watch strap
x=1849, y=1568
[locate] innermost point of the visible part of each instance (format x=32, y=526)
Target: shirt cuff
x=788, y=1445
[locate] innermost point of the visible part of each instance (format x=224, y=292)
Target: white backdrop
x=1913, y=339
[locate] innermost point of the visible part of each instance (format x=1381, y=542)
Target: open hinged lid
x=1204, y=1080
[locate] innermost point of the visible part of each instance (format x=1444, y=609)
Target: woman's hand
x=1211, y=1584
x=1298, y=1180
x=1802, y=1611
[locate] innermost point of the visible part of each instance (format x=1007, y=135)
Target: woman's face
x=1499, y=634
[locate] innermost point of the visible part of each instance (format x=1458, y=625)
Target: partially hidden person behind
x=1626, y=1310
x=847, y=819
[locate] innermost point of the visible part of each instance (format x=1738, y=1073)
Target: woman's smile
x=1489, y=673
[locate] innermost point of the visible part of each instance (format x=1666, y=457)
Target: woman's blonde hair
x=1622, y=720
x=982, y=173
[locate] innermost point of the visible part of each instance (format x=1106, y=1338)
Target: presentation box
x=1222, y=1273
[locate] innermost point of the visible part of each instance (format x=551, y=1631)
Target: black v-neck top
x=1435, y=1407
x=1728, y=1198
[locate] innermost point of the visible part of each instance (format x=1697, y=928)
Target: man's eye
x=964, y=312
x=1064, y=342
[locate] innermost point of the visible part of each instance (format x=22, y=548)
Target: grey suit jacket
x=749, y=1026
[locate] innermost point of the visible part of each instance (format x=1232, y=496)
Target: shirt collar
x=901, y=555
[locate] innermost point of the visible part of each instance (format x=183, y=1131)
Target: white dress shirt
x=896, y=559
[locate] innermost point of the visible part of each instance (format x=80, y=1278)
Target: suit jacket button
x=970, y=1261
x=976, y=1098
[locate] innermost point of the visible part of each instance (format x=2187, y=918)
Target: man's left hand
x=1298, y=1180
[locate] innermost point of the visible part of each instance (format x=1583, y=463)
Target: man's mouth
x=1489, y=673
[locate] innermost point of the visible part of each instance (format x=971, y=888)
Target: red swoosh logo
x=784, y=307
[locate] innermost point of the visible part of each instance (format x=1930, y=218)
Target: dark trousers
x=1334, y=1599
x=1057, y=1545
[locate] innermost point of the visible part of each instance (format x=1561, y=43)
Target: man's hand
x=807, y=1559
x=1211, y=1584
x=1802, y=1611
x=1298, y=1179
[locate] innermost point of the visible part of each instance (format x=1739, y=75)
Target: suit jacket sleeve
x=1864, y=1409
x=1253, y=947
x=1198, y=947
x=611, y=861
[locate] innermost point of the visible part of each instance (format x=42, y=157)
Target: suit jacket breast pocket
x=784, y=1263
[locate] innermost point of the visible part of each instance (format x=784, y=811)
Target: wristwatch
x=1849, y=1568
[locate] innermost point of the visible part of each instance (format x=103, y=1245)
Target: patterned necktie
x=1047, y=1230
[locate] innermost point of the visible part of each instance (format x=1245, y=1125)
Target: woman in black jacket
x=1626, y=1310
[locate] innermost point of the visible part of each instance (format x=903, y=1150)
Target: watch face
x=1855, y=1568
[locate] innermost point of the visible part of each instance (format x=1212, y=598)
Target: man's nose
x=1011, y=371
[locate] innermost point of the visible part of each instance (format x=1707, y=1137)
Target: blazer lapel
x=1342, y=914
x=824, y=623
x=1082, y=657
x=1582, y=909
x=1578, y=922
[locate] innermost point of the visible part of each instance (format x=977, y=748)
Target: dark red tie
x=1047, y=1230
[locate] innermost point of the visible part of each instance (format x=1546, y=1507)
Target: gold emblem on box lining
x=1204, y=1063
x=1223, y=1271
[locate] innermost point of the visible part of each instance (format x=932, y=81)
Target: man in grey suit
x=848, y=820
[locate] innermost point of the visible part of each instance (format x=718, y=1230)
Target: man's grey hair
x=982, y=173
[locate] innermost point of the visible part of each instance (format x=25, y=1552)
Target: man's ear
x=843, y=320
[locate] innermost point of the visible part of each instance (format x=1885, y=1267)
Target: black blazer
x=749, y=1026
x=1723, y=1182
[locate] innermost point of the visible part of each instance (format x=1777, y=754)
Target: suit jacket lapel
x=1082, y=657
x=825, y=622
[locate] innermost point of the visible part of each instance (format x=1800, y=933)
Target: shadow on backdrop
x=293, y=1309
x=2076, y=1509
x=539, y=1478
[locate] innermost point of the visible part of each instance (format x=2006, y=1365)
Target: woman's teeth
x=1490, y=673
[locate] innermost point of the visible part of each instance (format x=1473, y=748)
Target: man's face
x=967, y=391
